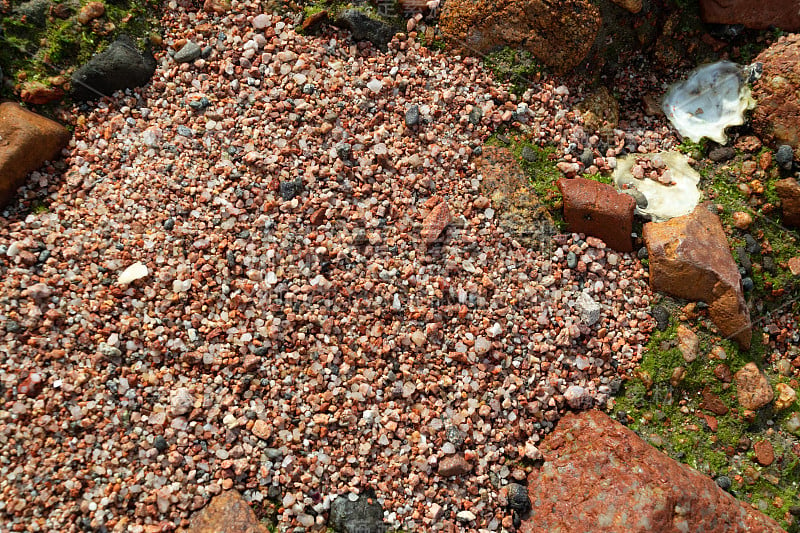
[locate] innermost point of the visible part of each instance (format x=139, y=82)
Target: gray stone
x=120, y=66
x=353, y=513
x=365, y=28
x=784, y=157
x=588, y=309
x=188, y=53
x=412, y=116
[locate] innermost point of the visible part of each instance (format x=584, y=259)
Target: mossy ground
x=50, y=52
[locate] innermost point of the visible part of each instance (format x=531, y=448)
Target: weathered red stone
x=217, y=6
x=600, y=476
x=597, y=209
x=690, y=258
x=312, y=23
x=26, y=141
x=454, y=465
x=765, y=454
x=756, y=14
x=752, y=387
x=776, y=117
x=788, y=191
x=558, y=34
x=37, y=93
x=227, y=512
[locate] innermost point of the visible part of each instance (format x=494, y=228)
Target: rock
x=599, y=475
x=91, y=11
x=262, y=430
x=181, y=402
x=120, y=66
x=788, y=190
x=34, y=11
x=588, y=309
x=188, y=53
x=752, y=387
x=786, y=397
x=661, y=315
x=558, y=34
x=783, y=14
x=587, y=157
x=764, y=453
x=794, y=265
x=465, y=516
x=599, y=111
x=352, y=513
x=217, y=6
x=529, y=154
x=26, y=141
x=412, y=116
x=227, y=512
x=519, y=211
x=598, y=210
x=578, y=398
x=517, y=498
x=365, y=28
x=776, y=117
x=312, y=23
x=132, y=273
x=742, y=220
x=722, y=153
x=688, y=343
x=37, y=93
x=723, y=373
x=713, y=403
x=454, y=465
x=784, y=157
x=435, y=223
x=160, y=444
x=690, y=258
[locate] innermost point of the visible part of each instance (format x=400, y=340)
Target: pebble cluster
x=231, y=288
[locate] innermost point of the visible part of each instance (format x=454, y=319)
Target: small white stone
x=132, y=273
x=482, y=345
x=465, y=516
x=261, y=21
x=375, y=86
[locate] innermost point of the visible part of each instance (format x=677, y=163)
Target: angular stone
x=755, y=14
x=713, y=403
x=600, y=476
x=690, y=258
x=120, y=66
x=353, y=513
x=776, y=117
x=752, y=387
x=688, y=343
x=558, y=34
x=454, y=465
x=227, y=512
x=597, y=209
x=788, y=190
x=365, y=28
x=216, y=6
x=518, y=209
x=26, y=141
x=435, y=223
x=786, y=396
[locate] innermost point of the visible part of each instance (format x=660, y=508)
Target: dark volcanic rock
x=352, y=513
x=120, y=66
x=365, y=28
x=600, y=476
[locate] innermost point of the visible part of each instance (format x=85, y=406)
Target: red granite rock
x=765, y=454
x=600, y=476
x=690, y=258
x=435, y=223
x=26, y=141
x=558, y=34
x=788, y=191
x=227, y=512
x=598, y=210
x=776, y=117
x=752, y=387
x=756, y=14
x=454, y=465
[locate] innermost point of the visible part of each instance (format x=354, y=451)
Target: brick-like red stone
x=597, y=209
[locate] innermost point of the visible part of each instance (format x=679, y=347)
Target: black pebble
x=518, y=498
x=412, y=116
x=288, y=190
x=723, y=482
x=160, y=444
x=769, y=264
x=169, y=224
x=721, y=153
x=747, y=284
x=784, y=157
x=744, y=260
x=661, y=315
x=642, y=253
x=751, y=244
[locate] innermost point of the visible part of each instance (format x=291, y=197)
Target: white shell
x=712, y=98
x=132, y=273
x=663, y=201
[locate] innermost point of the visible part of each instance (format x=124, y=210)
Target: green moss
x=517, y=67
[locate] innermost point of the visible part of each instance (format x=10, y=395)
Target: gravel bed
x=295, y=337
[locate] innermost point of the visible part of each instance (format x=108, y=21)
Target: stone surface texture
x=600, y=476
x=227, y=512
x=776, y=117
x=598, y=210
x=690, y=258
x=511, y=195
x=788, y=190
x=120, y=66
x=26, y=141
x=752, y=387
x=759, y=15
x=559, y=34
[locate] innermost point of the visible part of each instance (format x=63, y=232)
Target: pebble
x=188, y=53
x=412, y=116
x=784, y=157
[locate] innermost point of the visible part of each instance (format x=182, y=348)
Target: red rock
x=713, y=403
x=313, y=22
x=723, y=373
x=598, y=210
x=759, y=15
x=227, y=512
x=37, y=93
x=217, y=6
x=454, y=465
x=600, y=476
x=26, y=141
x=794, y=265
x=690, y=258
x=435, y=223
x=776, y=117
x=788, y=191
x=752, y=387
x=558, y=34
x=765, y=455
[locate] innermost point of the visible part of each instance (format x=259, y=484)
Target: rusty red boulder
x=597, y=209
